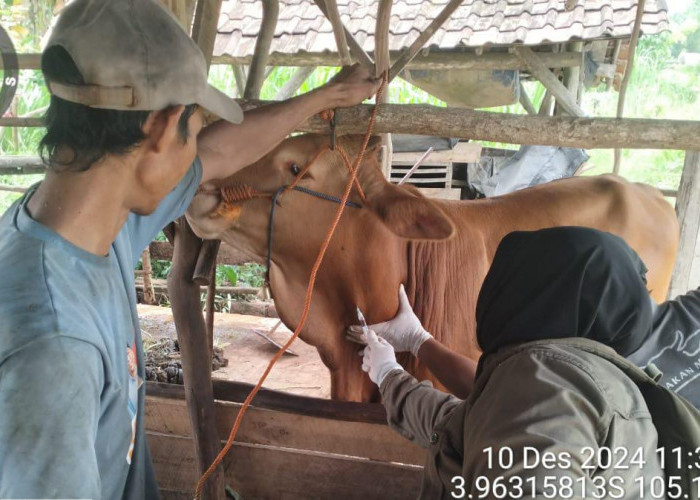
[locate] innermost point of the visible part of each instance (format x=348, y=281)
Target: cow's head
x=365, y=262
x=402, y=210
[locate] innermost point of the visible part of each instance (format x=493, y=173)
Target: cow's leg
x=348, y=381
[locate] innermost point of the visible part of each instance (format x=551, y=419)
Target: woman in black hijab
x=534, y=397
x=564, y=282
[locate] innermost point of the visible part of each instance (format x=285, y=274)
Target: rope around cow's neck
x=309, y=290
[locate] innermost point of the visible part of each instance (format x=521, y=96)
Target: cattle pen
x=300, y=447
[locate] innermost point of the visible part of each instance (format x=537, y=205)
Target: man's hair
x=88, y=134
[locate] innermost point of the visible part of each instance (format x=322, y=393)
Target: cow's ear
x=405, y=211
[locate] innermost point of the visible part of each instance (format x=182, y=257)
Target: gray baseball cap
x=134, y=55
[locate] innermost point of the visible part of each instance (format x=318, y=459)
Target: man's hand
x=404, y=332
x=352, y=85
x=378, y=358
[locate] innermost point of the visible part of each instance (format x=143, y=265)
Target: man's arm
x=50, y=400
x=225, y=148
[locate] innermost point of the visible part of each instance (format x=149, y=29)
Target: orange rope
x=307, y=300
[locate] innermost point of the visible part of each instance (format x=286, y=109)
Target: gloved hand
x=378, y=358
x=404, y=332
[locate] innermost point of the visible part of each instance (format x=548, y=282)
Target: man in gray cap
x=125, y=157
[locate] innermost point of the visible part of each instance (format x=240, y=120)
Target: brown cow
x=388, y=242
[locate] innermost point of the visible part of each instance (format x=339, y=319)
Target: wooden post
x=341, y=42
x=688, y=211
x=355, y=48
x=410, y=52
x=185, y=301
x=540, y=71
x=382, y=64
x=149, y=296
x=195, y=355
x=616, y=54
x=256, y=72
x=628, y=74
x=293, y=84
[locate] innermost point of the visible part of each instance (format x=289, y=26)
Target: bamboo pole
x=341, y=42
x=256, y=72
x=628, y=73
x=409, y=53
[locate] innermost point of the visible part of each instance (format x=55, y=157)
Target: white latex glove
x=378, y=358
x=404, y=332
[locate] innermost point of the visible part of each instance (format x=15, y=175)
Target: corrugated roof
x=302, y=26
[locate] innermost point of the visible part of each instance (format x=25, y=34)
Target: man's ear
x=404, y=211
x=161, y=127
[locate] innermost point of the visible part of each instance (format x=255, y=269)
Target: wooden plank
x=439, y=180
x=236, y=392
x=442, y=193
x=463, y=152
x=587, y=133
x=12, y=189
x=403, y=170
x=688, y=212
x=341, y=42
x=410, y=52
x=262, y=472
x=256, y=72
x=540, y=71
x=289, y=430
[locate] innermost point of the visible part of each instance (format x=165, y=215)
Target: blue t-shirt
x=71, y=359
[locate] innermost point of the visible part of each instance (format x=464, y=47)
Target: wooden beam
x=688, y=212
x=256, y=72
x=588, y=133
x=149, y=295
x=333, y=15
x=355, y=48
x=410, y=52
x=21, y=165
x=295, y=81
x=525, y=101
x=21, y=122
x=540, y=71
x=26, y=61
x=616, y=54
x=628, y=74
x=433, y=60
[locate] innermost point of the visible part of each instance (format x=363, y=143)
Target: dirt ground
x=248, y=354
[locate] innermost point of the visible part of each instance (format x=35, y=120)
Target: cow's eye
x=295, y=169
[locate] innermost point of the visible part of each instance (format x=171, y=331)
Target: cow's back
x=444, y=278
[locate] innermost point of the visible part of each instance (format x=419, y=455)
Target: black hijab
x=564, y=282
